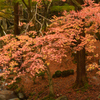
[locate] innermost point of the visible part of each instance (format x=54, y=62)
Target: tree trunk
x=81, y=78
x=51, y=91
x=16, y=19
x=1, y=34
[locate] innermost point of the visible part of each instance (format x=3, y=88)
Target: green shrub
x=57, y=74
x=62, y=8
x=66, y=73
x=53, y=76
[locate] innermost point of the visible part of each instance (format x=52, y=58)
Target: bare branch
x=30, y=22
x=25, y=4
x=44, y=17
x=3, y=30
x=77, y=4
x=5, y=12
x=49, y=6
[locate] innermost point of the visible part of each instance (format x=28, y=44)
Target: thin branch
x=41, y=27
x=11, y=13
x=5, y=12
x=4, y=17
x=3, y=30
x=25, y=4
x=49, y=6
x=77, y=4
x=44, y=17
x=30, y=22
x=39, y=23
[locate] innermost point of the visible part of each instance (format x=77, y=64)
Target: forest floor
x=63, y=86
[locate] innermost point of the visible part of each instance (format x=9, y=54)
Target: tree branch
x=77, y=4
x=44, y=17
x=25, y=4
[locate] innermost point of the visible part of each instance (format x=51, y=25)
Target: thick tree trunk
x=16, y=19
x=81, y=78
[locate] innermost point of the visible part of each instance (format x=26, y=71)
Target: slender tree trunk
x=29, y=10
x=16, y=19
x=81, y=78
x=51, y=91
x=1, y=34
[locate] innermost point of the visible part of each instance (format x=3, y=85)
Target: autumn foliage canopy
x=29, y=53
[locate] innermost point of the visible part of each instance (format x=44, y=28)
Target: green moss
x=62, y=8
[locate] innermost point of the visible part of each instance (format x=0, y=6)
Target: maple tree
x=73, y=31
x=80, y=26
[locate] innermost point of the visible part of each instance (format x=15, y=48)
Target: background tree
x=16, y=18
